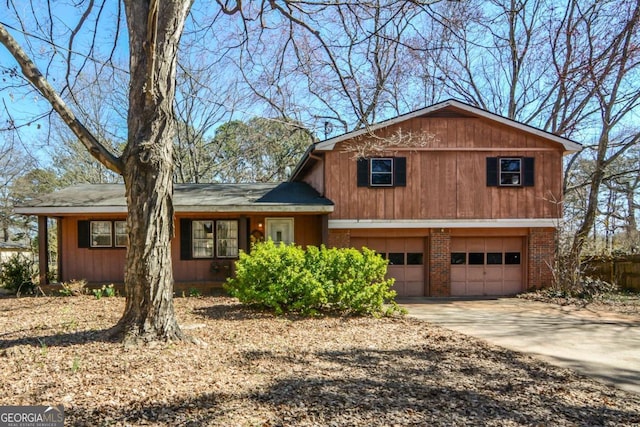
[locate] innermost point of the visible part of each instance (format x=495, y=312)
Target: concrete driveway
x=605, y=346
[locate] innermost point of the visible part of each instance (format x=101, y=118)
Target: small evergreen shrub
x=16, y=275
x=287, y=278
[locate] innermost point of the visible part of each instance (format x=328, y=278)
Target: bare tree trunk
x=154, y=34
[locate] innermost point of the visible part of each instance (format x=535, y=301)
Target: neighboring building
x=11, y=249
x=461, y=201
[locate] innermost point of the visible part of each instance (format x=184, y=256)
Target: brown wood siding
x=315, y=177
x=447, y=178
x=91, y=264
x=307, y=231
x=107, y=265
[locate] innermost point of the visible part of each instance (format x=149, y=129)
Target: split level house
x=461, y=201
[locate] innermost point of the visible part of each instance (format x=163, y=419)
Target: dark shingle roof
x=258, y=197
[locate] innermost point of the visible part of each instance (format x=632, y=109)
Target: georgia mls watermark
x=32, y=416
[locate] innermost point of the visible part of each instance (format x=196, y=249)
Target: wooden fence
x=621, y=270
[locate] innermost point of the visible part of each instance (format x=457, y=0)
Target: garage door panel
x=415, y=244
x=397, y=272
x=458, y=273
x=395, y=245
x=414, y=289
x=492, y=274
x=458, y=288
x=414, y=273
x=512, y=274
x=475, y=245
x=475, y=288
x=512, y=244
x=407, y=255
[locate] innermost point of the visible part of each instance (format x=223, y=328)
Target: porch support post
x=325, y=229
x=243, y=234
x=59, y=249
x=43, y=246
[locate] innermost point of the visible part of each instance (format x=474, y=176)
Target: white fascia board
x=64, y=210
x=95, y=210
x=442, y=223
x=569, y=146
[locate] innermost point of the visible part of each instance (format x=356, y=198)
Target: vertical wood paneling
x=94, y=265
x=450, y=184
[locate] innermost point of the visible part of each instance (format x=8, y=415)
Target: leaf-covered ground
x=261, y=370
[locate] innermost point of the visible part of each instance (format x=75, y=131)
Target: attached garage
x=406, y=257
x=486, y=266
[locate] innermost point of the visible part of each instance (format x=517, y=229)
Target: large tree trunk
x=154, y=34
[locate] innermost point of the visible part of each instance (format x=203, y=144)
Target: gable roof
x=439, y=109
x=471, y=111
x=234, y=198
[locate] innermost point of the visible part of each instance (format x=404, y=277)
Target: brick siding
x=540, y=257
x=439, y=263
x=339, y=239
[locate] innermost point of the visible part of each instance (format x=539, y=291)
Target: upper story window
x=510, y=171
x=382, y=172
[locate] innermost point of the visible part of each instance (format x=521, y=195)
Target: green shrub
x=16, y=274
x=287, y=278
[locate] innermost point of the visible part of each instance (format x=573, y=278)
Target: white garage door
x=486, y=266
x=406, y=261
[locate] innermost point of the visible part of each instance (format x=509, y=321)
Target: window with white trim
x=120, y=234
x=100, y=234
x=227, y=239
x=202, y=239
x=381, y=172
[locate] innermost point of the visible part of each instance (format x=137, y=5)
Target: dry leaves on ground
x=262, y=370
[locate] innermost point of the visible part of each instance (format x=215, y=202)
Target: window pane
x=458, y=258
x=381, y=179
x=510, y=179
x=510, y=165
x=100, y=234
x=494, y=258
x=202, y=239
x=414, y=258
x=381, y=165
x=396, y=258
x=227, y=239
x=512, y=258
x=122, y=239
x=476, y=258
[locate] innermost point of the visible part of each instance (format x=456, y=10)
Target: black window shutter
x=363, y=172
x=84, y=234
x=529, y=169
x=185, y=238
x=400, y=171
x=492, y=171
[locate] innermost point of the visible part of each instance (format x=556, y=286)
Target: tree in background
x=260, y=150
